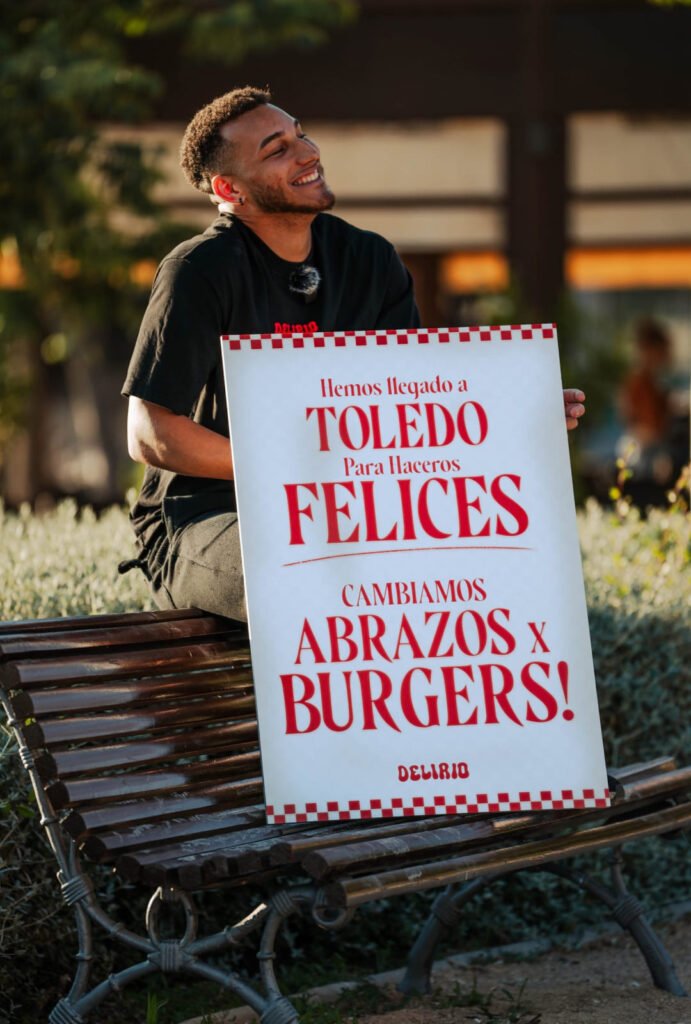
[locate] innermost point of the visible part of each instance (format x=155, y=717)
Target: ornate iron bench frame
x=64, y=683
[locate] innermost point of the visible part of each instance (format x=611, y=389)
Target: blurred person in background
x=644, y=396
x=653, y=443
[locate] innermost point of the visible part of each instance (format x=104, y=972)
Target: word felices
x=347, y=511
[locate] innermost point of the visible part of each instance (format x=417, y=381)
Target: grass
x=65, y=562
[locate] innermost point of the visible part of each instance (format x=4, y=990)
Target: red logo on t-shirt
x=310, y=328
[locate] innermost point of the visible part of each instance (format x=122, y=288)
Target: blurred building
x=546, y=139
x=516, y=151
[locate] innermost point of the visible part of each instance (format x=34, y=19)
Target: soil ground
x=607, y=983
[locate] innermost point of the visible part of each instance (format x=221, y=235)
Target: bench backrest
x=135, y=720
x=139, y=731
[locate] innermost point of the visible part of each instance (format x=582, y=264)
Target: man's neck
x=289, y=235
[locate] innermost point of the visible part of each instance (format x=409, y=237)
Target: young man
x=272, y=261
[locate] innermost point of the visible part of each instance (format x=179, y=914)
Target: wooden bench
x=139, y=735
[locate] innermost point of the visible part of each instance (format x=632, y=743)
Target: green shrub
x=636, y=574
x=66, y=563
x=637, y=584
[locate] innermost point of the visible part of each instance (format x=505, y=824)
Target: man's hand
x=573, y=407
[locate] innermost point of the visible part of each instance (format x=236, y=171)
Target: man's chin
x=329, y=200
x=319, y=204
x=270, y=202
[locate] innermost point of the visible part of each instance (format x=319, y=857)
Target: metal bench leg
x=183, y=955
x=447, y=911
x=279, y=1010
x=628, y=912
x=68, y=1012
x=272, y=1007
x=84, y=957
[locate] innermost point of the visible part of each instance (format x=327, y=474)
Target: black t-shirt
x=227, y=281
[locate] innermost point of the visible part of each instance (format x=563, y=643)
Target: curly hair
x=203, y=150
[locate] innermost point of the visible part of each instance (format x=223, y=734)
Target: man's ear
x=225, y=190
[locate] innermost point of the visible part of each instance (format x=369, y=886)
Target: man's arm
x=161, y=438
x=573, y=407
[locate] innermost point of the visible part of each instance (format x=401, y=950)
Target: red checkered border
x=397, y=807
x=343, y=339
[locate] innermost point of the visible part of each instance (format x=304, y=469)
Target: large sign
x=416, y=608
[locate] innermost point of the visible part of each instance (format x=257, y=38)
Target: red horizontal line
x=393, y=551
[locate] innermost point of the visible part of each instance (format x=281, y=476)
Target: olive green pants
x=203, y=566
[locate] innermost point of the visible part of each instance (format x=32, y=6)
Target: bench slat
x=321, y=863
x=161, y=865
x=197, y=864
x=73, y=792
x=642, y=769
x=233, y=795
x=18, y=645
x=96, y=621
x=202, y=865
x=56, y=732
x=86, y=760
x=353, y=892
x=39, y=703
x=235, y=853
x=334, y=833
x=109, y=844
x=189, y=872
x=673, y=782
x=226, y=858
x=125, y=664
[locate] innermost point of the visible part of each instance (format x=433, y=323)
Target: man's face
x=275, y=164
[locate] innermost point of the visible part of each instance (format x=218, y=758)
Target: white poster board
x=417, y=616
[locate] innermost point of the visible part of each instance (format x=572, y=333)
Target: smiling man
x=272, y=262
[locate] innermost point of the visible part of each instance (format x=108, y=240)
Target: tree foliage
x=64, y=71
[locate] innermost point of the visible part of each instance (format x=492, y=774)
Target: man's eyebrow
x=275, y=135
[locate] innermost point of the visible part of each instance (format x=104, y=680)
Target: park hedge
x=637, y=588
